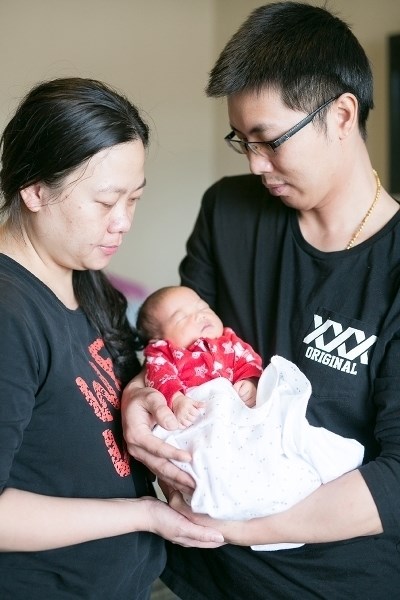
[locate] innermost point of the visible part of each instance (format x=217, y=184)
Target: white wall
x=156, y=51
x=159, y=52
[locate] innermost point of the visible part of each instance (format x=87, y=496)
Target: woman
x=76, y=516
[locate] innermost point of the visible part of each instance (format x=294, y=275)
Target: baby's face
x=185, y=317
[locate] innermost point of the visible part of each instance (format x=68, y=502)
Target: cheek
x=75, y=216
x=184, y=335
x=131, y=212
x=218, y=323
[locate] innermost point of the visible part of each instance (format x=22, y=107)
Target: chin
x=287, y=200
x=292, y=202
x=93, y=265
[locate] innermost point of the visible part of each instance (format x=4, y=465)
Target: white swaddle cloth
x=253, y=462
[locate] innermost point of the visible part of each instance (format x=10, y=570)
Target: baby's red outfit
x=172, y=369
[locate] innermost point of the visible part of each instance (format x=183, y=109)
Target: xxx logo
x=355, y=338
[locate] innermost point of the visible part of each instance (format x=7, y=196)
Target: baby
x=253, y=451
x=187, y=345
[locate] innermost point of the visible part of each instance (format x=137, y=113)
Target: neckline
x=307, y=247
x=38, y=282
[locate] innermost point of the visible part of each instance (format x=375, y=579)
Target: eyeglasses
x=265, y=148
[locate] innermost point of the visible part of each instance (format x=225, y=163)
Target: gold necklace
x=368, y=213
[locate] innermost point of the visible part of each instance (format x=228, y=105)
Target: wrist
x=174, y=399
x=138, y=512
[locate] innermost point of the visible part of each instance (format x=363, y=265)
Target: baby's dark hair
x=147, y=326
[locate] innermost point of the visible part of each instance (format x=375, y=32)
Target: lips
x=276, y=189
x=110, y=249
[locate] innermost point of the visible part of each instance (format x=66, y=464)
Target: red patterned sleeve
x=161, y=372
x=247, y=362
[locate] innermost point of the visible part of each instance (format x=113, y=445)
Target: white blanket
x=252, y=462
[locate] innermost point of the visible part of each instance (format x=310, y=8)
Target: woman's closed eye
x=106, y=203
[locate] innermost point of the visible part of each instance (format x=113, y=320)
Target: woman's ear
x=32, y=196
x=346, y=114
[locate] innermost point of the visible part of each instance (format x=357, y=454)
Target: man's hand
x=142, y=408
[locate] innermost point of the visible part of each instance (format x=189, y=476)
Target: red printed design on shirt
x=100, y=394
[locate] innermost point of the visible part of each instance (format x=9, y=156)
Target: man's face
x=301, y=170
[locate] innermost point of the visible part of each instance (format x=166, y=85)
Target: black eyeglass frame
x=242, y=147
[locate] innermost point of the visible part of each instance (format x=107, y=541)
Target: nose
x=259, y=164
x=201, y=315
x=121, y=219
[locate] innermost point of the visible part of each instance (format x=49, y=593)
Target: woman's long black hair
x=57, y=127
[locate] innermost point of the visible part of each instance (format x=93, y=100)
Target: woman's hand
x=175, y=527
x=31, y=522
x=234, y=532
x=142, y=408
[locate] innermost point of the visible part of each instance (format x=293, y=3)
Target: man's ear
x=346, y=114
x=32, y=196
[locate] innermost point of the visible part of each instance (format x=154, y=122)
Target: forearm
x=339, y=510
x=31, y=522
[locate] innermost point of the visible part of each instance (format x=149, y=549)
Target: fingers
x=211, y=539
x=198, y=404
x=166, y=470
x=196, y=536
x=156, y=405
x=201, y=536
x=250, y=402
x=145, y=404
x=186, y=422
x=188, y=419
x=142, y=408
x=188, y=413
x=169, y=524
x=158, y=460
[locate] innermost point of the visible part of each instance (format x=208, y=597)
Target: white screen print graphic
x=348, y=344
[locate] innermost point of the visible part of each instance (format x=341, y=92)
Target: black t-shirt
x=337, y=316
x=61, y=435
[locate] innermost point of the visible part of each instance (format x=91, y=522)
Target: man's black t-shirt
x=336, y=315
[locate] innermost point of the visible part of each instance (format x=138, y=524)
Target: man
x=302, y=260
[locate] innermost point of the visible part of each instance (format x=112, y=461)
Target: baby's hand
x=247, y=390
x=185, y=409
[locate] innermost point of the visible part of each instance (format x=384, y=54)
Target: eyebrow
x=117, y=190
x=257, y=129
x=177, y=312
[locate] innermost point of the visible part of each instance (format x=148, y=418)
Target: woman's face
x=82, y=225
